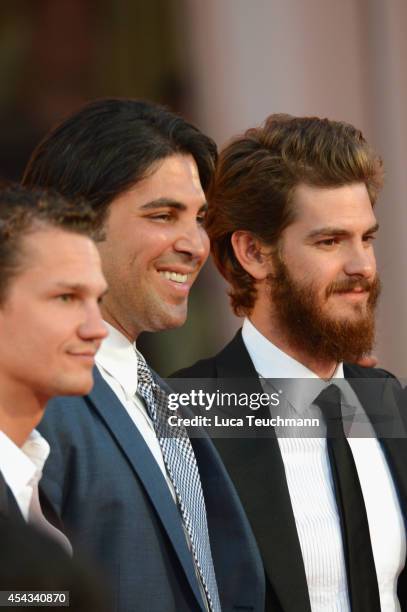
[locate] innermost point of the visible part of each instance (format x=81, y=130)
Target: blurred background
x=225, y=65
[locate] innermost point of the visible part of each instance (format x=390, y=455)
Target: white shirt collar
x=23, y=466
x=271, y=362
x=118, y=357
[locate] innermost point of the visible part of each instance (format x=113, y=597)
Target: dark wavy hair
x=109, y=145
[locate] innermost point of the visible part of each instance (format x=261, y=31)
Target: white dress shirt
x=22, y=470
x=311, y=487
x=117, y=362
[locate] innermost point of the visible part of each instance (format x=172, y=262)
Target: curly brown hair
x=256, y=176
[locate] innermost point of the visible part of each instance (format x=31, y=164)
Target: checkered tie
x=182, y=469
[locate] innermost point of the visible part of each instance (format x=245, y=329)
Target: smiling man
x=155, y=240
x=50, y=329
x=292, y=225
x=159, y=513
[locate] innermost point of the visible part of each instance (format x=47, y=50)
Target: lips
x=353, y=292
x=88, y=354
x=360, y=287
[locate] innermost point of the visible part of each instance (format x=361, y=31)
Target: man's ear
x=252, y=255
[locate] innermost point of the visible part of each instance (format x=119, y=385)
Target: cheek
x=324, y=270
x=148, y=247
x=372, y=260
x=206, y=243
x=316, y=277
x=47, y=338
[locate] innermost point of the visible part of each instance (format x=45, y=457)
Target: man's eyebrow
x=67, y=285
x=373, y=229
x=77, y=287
x=169, y=203
x=339, y=231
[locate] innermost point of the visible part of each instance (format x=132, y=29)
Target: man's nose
x=193, y=240
x=361, y=262
x=93, y=326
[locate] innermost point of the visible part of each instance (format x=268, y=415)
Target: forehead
x=52, y=254
x=175, y=178
x=347, y=207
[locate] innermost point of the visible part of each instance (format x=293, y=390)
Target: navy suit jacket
x=116, y=507
x=264, y=490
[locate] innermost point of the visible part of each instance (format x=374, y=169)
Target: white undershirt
x=22, y=470
x=311, y=487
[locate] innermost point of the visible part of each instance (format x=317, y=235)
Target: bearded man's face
x=323, y=281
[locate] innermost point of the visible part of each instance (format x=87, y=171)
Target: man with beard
x=292, y=227
x=157, y=511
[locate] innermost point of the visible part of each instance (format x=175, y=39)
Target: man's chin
x=169, y=318
x=349, y=304
x=348, y=317
x=79, y=385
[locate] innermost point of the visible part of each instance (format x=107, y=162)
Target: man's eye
x=328, y=242
x=66, y=297
x=161, y=217
x=369, y=238
x=201, y=219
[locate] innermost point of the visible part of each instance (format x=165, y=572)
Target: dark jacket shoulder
x=352, y=370
x=237, y=358
x=204, y=368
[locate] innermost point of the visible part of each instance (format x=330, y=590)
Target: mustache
x=350, y=284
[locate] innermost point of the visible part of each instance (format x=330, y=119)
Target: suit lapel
x=381, y=399
x=3, y=498
x=133, y=446
x=257, y=469
x=9, y=510
x=49, y=512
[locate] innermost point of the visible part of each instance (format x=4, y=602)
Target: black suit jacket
x=29, y=560
x=265, y=496
x=10, y=511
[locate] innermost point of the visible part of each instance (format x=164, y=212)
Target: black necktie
x=361, y=571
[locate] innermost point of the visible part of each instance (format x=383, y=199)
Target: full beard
x=310, y=329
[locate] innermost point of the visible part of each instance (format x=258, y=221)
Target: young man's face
x=50, y=324
x=155, y=246
x=325, y=285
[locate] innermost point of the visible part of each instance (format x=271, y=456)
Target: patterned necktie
x=182, y=469
x=361, y=571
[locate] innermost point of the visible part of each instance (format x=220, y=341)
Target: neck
x=109, y=317
x=269, y=327
x=20, y=411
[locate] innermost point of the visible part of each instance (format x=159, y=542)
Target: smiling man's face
x=154, y=248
